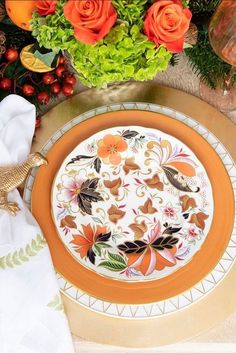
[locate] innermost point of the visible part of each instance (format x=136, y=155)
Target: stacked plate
x=138, y=207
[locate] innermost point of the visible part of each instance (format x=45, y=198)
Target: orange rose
x=92, y=19
x=166, y=23
x=46, y=7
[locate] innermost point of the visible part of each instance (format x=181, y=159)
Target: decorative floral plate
x=142, y=293
x=132, y=203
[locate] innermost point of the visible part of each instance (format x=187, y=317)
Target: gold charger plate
x=188, y=322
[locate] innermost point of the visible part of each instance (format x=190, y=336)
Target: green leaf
x=29, y=251
x=97, y=249
x=104, y=245
x=40, y=238
x=113, y=265
x=15, y=259
x=117, y=258
x=2, y=263
x=97, y=220
x=47, y=58
x=22, y=256
x=56, y=303
x=8, y=261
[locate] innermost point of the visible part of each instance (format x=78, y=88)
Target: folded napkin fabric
x=32, y=319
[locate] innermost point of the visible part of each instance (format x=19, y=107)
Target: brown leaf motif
x=88, y=194
x=130, y=165
x=154, y=182
x=187, y=202
x=115, y=214
x=199, y=219
x=148, y=208
x=139, y=229
x=68, y=221
x=113, y=186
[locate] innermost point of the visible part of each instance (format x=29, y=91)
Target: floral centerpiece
x=113, y=40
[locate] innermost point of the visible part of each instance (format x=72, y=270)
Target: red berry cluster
x=59, y=80
x=50, y=83
x=11, y=55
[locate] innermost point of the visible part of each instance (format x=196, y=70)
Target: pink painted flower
x=169, y=212
x=192, y=232
x=70, y=188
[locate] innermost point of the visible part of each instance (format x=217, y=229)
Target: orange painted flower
x=166, y=23
x=110, y=147
x=92, y=19
x=153, y=252
x=84, y=241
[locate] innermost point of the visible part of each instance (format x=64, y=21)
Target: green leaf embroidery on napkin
x=56, y=303
x=22, y=255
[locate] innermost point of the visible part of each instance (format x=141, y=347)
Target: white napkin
x=32, y=319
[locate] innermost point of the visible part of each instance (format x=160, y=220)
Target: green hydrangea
x=124, y=54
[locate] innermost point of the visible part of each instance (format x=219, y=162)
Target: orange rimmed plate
x=144, y=291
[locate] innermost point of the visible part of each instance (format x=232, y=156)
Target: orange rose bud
x=92, y=20
x=46, y=7
x=166, y=23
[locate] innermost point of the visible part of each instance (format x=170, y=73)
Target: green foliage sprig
x=19, y=257
x=203, y=6
x=124, y=54
x=205, y=62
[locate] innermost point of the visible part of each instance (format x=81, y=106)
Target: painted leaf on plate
x=184, y=168
x=162, y=243
x=130, y=165
x=199, y=219
x=116, y=257
x=115, y=214
x=128, y=134
x=103, y=237
x=139, y=229
x=113, y=265
x=148, y=208
x=88, y=194
x=187, y=202
x=171, y=230
x=128, y=247
x=91, y=256
x=154, y=183
x=79, y=158
x=97, y=164
x=172, y=175
x=113, y=186
x=68, y=221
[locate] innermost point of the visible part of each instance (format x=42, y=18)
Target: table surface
x=223, y=336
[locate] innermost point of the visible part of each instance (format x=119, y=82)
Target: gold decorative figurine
x=13, y=176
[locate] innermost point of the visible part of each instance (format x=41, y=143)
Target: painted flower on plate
x=110, y=148
x=85, y=240
x=193, y=232
x=169, y=212
x=69, y=189
x=153, y=252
